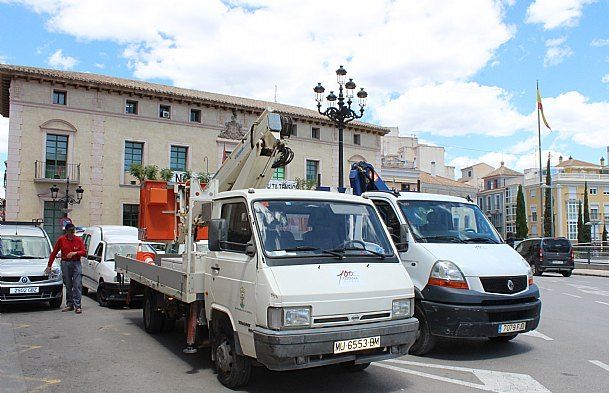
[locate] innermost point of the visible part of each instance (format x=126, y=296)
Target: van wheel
x=425, y=340
x=56, y=303
x=102, y=295
x=503, y=339
x=567, y=273
x=153, y=319
x=233, y=370
x=354, y=367
x=84, y=291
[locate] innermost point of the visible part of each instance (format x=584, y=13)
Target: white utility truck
x=468, y=282
x=292, y=279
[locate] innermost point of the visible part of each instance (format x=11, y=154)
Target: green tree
x=580, y=223
x=522, y=229
x=166, y=174
x=604, y=236
x=586, y=228
x=547, y=210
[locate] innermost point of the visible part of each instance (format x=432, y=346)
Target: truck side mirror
x=218, y=233
x=250, y=250
x=403, y=244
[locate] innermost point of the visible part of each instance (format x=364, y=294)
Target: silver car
x=24, y=254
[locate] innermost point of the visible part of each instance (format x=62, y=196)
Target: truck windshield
x=24, y=247
x=124, y=249
x=336, y=230
x=448, y=222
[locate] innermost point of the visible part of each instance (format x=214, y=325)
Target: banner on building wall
x=282, y=185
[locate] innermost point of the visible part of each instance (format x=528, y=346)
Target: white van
x=468, y=282
x=103, y=242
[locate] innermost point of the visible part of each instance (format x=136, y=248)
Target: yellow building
x=568, y=180
x=90, y=128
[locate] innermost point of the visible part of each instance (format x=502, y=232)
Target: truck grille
x=351, y=318
x=505, y=285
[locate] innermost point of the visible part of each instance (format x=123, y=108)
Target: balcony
x=56, y=173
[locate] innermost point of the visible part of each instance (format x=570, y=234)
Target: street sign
x=65, y=221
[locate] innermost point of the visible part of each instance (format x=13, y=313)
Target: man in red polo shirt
x=72, y=248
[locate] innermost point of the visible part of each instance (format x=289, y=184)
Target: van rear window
x=556, y=245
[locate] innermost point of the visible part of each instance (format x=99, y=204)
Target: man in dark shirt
x=72, y=248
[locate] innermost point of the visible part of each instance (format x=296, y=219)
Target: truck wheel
x=503, y=339
x=56, y=303
x=233, y=370
x=102, y=295
x=153, y=319
x=567, y=273
x=354, y=367
x=425, y=340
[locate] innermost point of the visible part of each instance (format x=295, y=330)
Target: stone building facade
x=90, y=128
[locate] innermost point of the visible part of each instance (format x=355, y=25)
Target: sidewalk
x=591, y=272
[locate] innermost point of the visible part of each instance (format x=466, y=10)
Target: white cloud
x=556, y=51
x=556, y=13
x=58, y=60
x=100, y=65
x=3, y=135
x=453, y=109
x=246, y=48
x=598, y=42
x=605, y=78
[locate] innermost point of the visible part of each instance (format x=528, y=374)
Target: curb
x=591, y=274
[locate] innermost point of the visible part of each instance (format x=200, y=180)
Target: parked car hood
x=480, y=260
x=22, y=267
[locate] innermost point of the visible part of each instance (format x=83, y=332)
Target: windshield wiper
x=480, y=240
x=378, y=254
x=311, y=248
x=452, y=239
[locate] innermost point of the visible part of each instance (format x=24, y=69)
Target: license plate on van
x=512, y=327
x=357, y=344
x=557, y=262
x=23, y=290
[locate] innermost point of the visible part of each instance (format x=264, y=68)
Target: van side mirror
x=403, y=244
x=218, y=233
x=250, y=250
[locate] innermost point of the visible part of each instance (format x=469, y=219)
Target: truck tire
x=567, y=273
x=503, y=339
x=153, y=319
x=233, y=370
x=425, y=340
x=352, y=368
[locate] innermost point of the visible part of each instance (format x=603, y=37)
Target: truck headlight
x=401, y=308
x=288, y=317
x=447, y=274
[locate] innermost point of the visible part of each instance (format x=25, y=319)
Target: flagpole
x=540, y=165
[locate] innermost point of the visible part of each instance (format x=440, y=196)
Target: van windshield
x=24, y=247
x=556, y=245
x=336, y=230
x=448, y=222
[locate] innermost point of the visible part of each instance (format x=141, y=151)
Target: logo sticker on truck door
x=348, y=277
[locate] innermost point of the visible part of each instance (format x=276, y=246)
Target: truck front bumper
x=46, y=291
x=479, y=315
x=305, y=348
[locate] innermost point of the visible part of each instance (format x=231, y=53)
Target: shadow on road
x=471, y=350
x=25, y=307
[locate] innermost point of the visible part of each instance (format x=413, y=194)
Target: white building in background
x=473, y=175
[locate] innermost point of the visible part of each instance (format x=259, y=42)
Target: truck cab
x=102, y=243
x=468, y=282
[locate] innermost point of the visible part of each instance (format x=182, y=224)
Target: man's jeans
x=72, y=279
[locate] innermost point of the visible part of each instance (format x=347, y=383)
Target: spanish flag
x=540, y=108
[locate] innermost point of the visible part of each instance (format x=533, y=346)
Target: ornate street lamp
x=67, y=199
x=339, y=110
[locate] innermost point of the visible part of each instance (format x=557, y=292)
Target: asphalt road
x=106, y=350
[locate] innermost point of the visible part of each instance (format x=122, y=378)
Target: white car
x=24, y=253
x=103, y=242
x=468, y=282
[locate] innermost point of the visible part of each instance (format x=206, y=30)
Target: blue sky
x=457, y=76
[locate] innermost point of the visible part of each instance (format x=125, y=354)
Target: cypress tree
x=604, y=236
x=547, y=210
x=522, y=229
x=587, y=228
x=580, y=223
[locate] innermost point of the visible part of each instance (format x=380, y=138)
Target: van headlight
x=288, y=317
x=401, y=308
x=447, y=274
x=55, y=272
x=530, y=274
